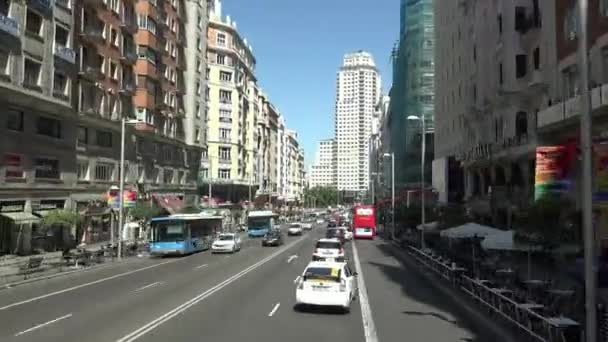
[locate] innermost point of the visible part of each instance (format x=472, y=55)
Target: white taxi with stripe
x=326, y=283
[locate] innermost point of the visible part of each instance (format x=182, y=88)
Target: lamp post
x=392, y=156
x=121, y=186
x=422, y=187
x=587, y=185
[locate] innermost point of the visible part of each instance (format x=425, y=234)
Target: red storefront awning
x=170, y=203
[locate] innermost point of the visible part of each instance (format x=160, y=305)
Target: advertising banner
x=600, y=174
x=552, y=168
x=129, y=197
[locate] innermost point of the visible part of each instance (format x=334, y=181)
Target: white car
x=226, y=243
x=307, y=225
x=347, y=234
x=327, y=284
x=320, y=221
x=328, y=250
x=294, y=229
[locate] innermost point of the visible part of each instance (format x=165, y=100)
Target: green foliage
x=143, y=211
x=323, y=196
x=549, y=222
x=61, y=217
x=190, y=210
x=412, y=216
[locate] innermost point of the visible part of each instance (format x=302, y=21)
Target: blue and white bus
x=260, y=222
x=182, y=234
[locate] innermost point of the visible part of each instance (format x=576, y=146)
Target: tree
x=144, y=211
x=61, y=217
x=322, y=196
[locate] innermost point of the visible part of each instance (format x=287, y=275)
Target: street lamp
x=121, y=187
x=392, y=155
x=422, y=188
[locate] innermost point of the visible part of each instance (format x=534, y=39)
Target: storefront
x=16, y=227
x=97, y=222
x=52, y=238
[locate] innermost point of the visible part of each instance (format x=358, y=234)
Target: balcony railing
x=128, y=87
x=129, y=57
x=129, y=24
x=92, y=34
x=225, y=139
x=65, y=53
x=91, y=72
x=9, y=25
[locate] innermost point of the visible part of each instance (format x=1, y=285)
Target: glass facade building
x=412, y=92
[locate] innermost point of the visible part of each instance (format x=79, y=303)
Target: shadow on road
x=417, y=287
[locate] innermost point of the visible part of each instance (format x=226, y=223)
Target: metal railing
x=499, y=300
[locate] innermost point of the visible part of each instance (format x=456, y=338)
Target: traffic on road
x=274, y=286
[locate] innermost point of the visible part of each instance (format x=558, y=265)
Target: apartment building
x=229, y=164
x=357, y=92
x=294, y=163
x=323, y=170
x=37, y=130
x=493, y=62
x=195, y=75
x=282, y=155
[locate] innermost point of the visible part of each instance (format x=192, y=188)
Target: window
x=197, y=134
x=224, y=134
x=570, y=81
x=83, y=169
x=146, y=23
x=521, y=20
x=62, y=35
x=60, y=86
x=5, y=63
x=225, y=96
x=104, y=172
x=500, y=24
x=168, y=176
x=221, y=59
x=197, y=111
x=46, y=168
x=49, y=127
x=114, y=37
x=223, y=173
x=225, y=76
x=521, y=124
x=31, y=73
x=536, y=58
x=14, y=120
x=500, y=74
x=521, y=65
x=225, y=114
x=104, y=139
x=224, y=153
x=571, y=23
x=221, y=39
x=144, y=52
x=33, y=23
x=13, y=166
x=604, y=8
x=83, y=135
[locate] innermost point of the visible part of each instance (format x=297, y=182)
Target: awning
x=95, y=211
x=170, y=203
x=469, y=230
x=21, y=217
x=505, y=241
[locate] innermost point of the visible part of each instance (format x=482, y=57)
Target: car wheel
x=346, y=309
x=233, y=249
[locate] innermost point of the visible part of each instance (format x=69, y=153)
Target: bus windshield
x=167, y=231
x=259, y=223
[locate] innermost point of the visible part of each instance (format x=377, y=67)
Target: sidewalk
x=52, y=265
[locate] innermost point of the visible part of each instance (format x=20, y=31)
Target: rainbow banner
x=600, y=173
x=129, y=198
x=551, y=176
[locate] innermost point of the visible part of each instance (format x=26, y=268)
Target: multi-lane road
x=248, y=295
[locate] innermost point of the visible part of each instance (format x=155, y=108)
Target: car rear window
x=328, y=245
x=322, y=273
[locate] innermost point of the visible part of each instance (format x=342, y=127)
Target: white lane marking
x=43, y=324
x=148, y=286
x=296, y=280
x=366, y=311
x=33, y=299
x=201, y=266
x=134, y=335
x=274, y=309
x=290, y=259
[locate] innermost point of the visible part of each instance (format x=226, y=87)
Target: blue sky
x=299, y=46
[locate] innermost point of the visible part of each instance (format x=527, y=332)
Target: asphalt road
x=249, y=295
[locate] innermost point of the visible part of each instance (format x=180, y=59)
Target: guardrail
x=499, y=301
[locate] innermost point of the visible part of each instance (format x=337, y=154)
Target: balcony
x=129, y=25
x=564, y=112
x=129, y=57
x=128, y=87
x=224, y=161
x=42, y=6
x=9, y=26
x=91, y=73
x=65, y=53
x=92, y=34
x=94, y=3
x=225, y=139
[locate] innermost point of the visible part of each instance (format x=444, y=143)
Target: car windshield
x=329, y=245
x=295, y=226
x=322, y=273
x=226, y=238
x=335, y=232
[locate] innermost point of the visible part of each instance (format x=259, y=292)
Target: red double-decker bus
x=364, y=222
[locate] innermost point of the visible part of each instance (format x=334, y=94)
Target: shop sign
x=552, y=178
x=12, y=207
x=48, y=205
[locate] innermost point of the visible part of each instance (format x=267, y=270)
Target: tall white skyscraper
x=358, y=91
x=323, y=171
